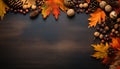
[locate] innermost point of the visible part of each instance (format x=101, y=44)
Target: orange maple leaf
x=97, y=17
x=115, y=43
x=53, y=6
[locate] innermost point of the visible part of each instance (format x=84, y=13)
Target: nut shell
x=70, y=12
x=85, y=5
x=102, y=4
x=113, y=15
x=108, y=8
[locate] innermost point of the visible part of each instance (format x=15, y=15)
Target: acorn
x=70, y=12
x=113, y=15
x=102, y=4
x=108, y=8
x=85, y=5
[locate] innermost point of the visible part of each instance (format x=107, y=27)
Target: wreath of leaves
x=107, y=30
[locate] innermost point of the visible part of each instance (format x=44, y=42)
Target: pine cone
x=14, y=3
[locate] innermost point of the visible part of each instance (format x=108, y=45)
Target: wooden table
x=46, y=44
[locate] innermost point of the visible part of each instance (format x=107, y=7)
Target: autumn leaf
x=99, y=0
x=3, y=8
x=115, y=43
x=101, y=50
x=88, y=1
x=118, y=67
x=53, y=6
x=117, y=9
x=97, y=17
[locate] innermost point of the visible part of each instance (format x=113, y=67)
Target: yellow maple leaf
x=101, y=50
x=53, y=6
x=97, y=17
x=3, y=8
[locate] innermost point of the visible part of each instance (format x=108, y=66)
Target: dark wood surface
x=46, y=44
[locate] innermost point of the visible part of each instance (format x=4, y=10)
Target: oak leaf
x=3, y=8
x=115, y=43
x=97, y=17
x=53, y=6
x=101, y=50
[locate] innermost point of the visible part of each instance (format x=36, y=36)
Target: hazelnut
x=85, y=5
x=102, y=4
x=113, y=15
x=25, y=6
x=101, y=36
x=70, y=12
x=96, y=34
x=116, y=26
x=108, y=8
x=106, y=28
x=33, y=7
x=81, y=5
x=116, y=32
x=68, y=3
x=118, y=19
x=113, y=30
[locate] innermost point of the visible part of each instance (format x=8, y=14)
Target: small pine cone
x=14, y=3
